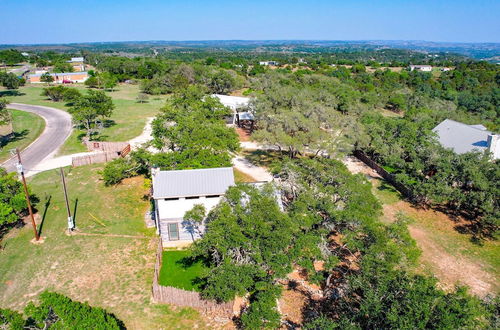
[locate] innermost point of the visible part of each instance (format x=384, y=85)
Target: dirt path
x=450, y=268
x=257, y=172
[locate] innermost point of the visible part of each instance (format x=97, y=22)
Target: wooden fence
x=183, y=298
x=105, y=146
x=383, y=173
x=102, y=157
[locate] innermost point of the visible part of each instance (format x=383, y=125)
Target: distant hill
x=487, y=51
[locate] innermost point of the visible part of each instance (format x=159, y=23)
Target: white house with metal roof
x=240, y=107
x=424, y=68
x=462, y=138
x=177, y=191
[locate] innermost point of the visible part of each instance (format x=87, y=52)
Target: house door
x=173, y=231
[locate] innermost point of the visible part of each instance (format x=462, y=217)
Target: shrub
x=56, y=311
x=117, y=170
x=12, y=201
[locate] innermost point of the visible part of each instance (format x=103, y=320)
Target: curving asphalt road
x=58, y=127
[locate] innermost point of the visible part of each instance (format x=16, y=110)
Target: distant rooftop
x=59, y=74
x=461, y=137
x=233, y=102
x=76, y=59
x=190, y=183
x=421, y=66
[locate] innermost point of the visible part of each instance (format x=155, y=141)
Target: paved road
x=58, y=127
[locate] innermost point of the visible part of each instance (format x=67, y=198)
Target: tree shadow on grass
x=189, y=261
x=108, y=123
x=13, y=137
x=13, y=92
x=263, y=157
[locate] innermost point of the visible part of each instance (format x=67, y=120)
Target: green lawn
x=127, y=121
x=27, y=127
x=385, y=192
x=108, y=263
x=179, y=271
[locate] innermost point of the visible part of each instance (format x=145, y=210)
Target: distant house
x=59, y=78
x=77, y=63
x=267, y=63
x=240, y=107
x=446, y=69
x=423, y=68
x=462, y=138
x=175, y=192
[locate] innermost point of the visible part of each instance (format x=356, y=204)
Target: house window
x=192, y=197
x=171, y=199
x=173, y=231
x=212, y=196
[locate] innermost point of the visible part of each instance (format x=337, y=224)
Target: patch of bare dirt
x=451, y=269
x=291, y=305
x=243, y=134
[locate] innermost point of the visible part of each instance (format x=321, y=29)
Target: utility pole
x=71, y=224
x=26, y=193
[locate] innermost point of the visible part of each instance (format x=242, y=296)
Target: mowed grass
x=128, y=119
x=179, y=271
x=27, y=127
x=108, y=263
x=240, y=177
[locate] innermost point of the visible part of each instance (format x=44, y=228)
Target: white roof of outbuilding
x=190, y=183
x=246, y=116
x=461, y=137
x=76, y=59
x=233, y=102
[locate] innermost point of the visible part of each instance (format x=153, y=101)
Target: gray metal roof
x=186, y=183
x=461, y=137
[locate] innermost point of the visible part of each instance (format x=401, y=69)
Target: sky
x=55, y=21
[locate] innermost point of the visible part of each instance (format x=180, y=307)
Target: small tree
x=142, y=98
x=87, y=109
x=47, y=78
x=193, y=220
x=5, y=117
x=10, y=80
x=63, y=67
x=397, y=103
x=109, y=81
x=55, y=93
x=91, y=82
x=12, y=201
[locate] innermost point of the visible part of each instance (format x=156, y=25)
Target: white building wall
x=173, y=211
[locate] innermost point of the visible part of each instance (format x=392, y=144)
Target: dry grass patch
x=107, y=270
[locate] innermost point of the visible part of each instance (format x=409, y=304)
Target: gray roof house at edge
x=461, y=137
x=190, y=183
